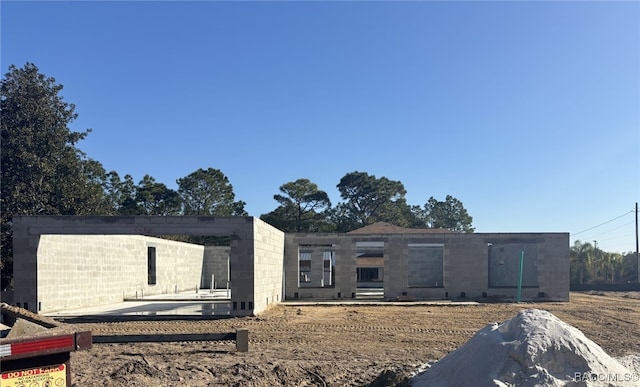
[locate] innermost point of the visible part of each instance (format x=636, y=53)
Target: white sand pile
x=534, y=348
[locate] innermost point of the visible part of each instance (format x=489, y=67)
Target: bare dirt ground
x=337, y=345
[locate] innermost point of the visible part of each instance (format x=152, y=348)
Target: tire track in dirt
x=258, y=332
x=335, y=345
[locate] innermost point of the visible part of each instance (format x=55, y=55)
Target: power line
x=602, y=224
x=628, y=237
x=613, y=229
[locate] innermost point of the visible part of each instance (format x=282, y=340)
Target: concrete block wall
x=345, y=266
x=267, y=266
x=465, y=266
x=241, y=230
x=179, y=266
x=551, y=254
x=259, y=253
x=76, y=271
x=241, y=272
x=345, y=286
x=395, y=266
x=554, y=267
x=316, y=276
x=317, y=269
x=216, y=263
x=25, y=266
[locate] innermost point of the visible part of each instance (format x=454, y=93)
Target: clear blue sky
x=527, y=112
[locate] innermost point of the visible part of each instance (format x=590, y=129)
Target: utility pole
x=637, y=255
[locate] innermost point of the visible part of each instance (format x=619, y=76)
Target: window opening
x=369, y=264
x=504, y=265
x=151, y=265
x=425, y=264
x=316, y=266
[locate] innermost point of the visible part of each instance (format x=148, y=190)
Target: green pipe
x=520, y=276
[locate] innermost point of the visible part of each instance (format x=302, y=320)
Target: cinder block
x=242, y=340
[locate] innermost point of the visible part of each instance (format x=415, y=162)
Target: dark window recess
x=251, y=304
x=151, y=265
x=369, y=274
x=305, y=271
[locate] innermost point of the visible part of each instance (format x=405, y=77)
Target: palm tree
x=613, y=263
x=582, y=255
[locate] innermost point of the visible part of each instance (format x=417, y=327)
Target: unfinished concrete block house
x=426, y=264
x=65, y=262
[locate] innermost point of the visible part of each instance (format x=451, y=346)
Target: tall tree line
x=591, y=265
x=367, y=199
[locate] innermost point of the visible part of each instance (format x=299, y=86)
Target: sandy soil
x=338, y=345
